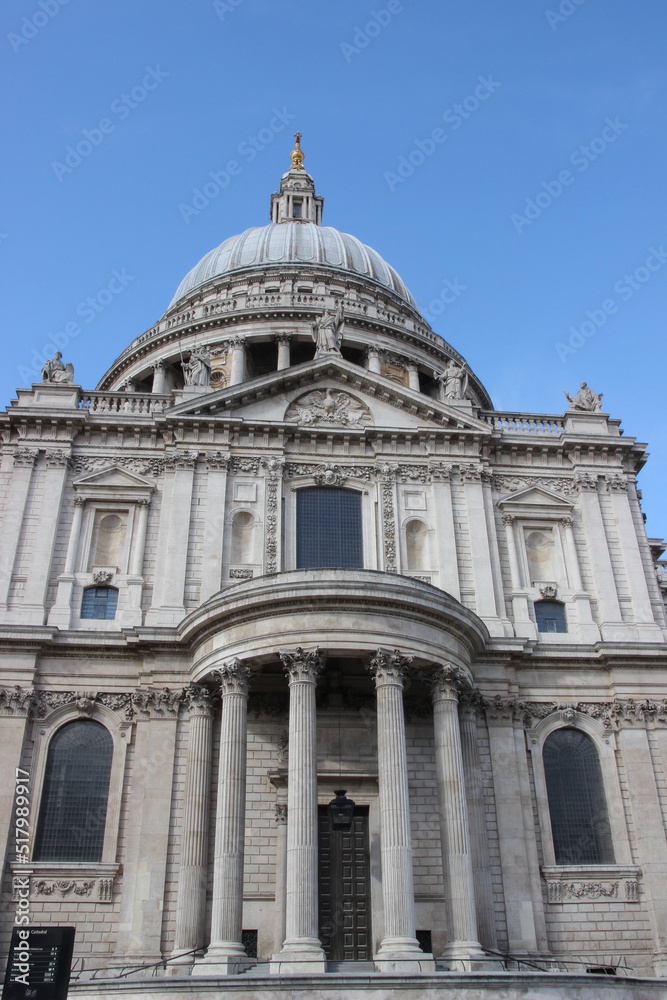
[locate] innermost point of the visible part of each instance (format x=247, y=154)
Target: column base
x=228, y=959
x=300, y=958
x=467, y=956
x=403, y=955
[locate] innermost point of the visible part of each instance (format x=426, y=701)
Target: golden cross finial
x=296, y=154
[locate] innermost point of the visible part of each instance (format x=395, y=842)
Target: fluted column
x=399, y=951
x=237, y=369
x=191, y=905
x=281, y=872
x=302, y=950
x=479, y=843
x=460, y=913
x=226, y=954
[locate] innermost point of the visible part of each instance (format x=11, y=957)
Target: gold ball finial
x=296, y=154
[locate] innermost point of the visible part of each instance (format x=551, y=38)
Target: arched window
x=550, y=616
x=242, y=526
x=99, y=602
x=416, y=537
x=577, y=804
x=73, y=808
x=328, y=529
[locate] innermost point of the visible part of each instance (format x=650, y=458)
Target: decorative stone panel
x=573, y=883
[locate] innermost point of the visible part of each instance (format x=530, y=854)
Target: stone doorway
x=344, y=889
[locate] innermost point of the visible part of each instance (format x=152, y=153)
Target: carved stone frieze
x=569, y=884
x=612, y=714
x=88, y=885
x=240, y=574
x=157, y=703
x=413, y=474
x=329, y=475
x=93, y=463
x=274, y=470
x=174, y=460
x=330, y=407
x=274, y=705
x=57, y=458
x=557, y=484
x=387, y=476
x=281, y=813
x=121, y=703
x=243, y=466
x=294, y=470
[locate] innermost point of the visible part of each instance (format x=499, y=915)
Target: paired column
x=226, y=954
x=302, y=950
x=283, y=341
x=461, y=919
x=399, y=951
x=191, y=905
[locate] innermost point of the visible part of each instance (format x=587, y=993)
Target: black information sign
x=40, y=959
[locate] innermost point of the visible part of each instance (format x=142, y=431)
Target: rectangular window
x=328, y=529
x=297, y=209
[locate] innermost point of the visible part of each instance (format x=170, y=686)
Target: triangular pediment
x=113, y=481
x=533, y=499
x=333, y=393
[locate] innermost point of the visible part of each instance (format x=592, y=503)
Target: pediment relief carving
x=535, y=500
x=113, y=482
x=330, y=407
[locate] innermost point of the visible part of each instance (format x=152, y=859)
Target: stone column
x=191, y=905
x=523, y=626
x=281, y=873
x=374, y=360
x=237, y=370
x=399, y=951
x=479, y=843
x=588, y=630
x=610, y=619
x=226, y=954
x=283, y=341
x=158, y=378
x=61, y=612
x=17, y=496
x=413, y=377
x=217, y=465
x=44, y=539
x=135, y=584
x=460, y=913
x=302, y=950
x=482, y=561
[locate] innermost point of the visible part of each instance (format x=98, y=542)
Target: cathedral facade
x=315, y=664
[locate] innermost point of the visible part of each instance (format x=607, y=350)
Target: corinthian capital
x=234, y=677
x=389, y=668
x=302, y=665
x=446, y=682
x=198, y=699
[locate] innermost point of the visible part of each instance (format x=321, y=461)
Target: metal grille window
x=99, y=602
x=328, y=529
x=577, y=805
x=550, y=616
x=73, y=808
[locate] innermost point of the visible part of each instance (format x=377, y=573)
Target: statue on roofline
x=585, y=399
x=55, y=371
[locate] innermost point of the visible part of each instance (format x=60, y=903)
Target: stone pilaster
x=302, y=950
x=61, y=612
x=461, y=919
x=479, y=843
x=168, y=606
x=191, y=906
x=399, y=950
x=226, y=954
x=39, y=570
x=17, y=496
x=281, y=873
x=135, y=584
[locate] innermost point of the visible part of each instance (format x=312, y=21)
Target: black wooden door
x=345, y=896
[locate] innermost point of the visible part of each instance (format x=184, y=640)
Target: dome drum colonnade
x=459, y=635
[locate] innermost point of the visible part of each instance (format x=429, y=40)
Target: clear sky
x=515, y=150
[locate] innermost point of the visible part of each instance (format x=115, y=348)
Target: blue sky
x=540, y=197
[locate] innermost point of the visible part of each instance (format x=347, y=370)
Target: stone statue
x=454, y=381
x=328, y=331
x=197, y=369
x=585, y=399
x=55, y=371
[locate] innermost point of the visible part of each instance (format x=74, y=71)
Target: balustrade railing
x=524, y=423
x=122, y=403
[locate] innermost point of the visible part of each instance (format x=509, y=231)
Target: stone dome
x=284, y=243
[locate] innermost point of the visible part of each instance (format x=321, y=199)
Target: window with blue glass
x=550, y=616
x=99, y=602
x=328, y=529
x=73, y=810
x=577, y=805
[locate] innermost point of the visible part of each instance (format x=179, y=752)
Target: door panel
x=345, y=906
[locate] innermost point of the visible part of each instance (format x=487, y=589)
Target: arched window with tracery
x=577, y=804
x=73, y=808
